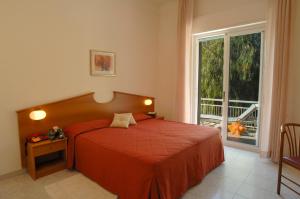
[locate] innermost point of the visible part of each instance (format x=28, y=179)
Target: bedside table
x=46, y=157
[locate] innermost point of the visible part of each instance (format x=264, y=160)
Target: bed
x=155, y=159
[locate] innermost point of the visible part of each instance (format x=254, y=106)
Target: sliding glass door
x=229, y=67
x=243, y=87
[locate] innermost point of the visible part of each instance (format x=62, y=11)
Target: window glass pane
x=244, y=74
x=211, y=59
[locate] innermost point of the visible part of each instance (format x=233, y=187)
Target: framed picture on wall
x=102, y=63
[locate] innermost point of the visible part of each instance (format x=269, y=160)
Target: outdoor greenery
x=211, y=60
x=244, y=67
x=243, y=70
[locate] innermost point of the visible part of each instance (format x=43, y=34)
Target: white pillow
x=120, y=120
x=132, y=120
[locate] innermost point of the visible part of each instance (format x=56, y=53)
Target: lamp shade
x=37, y=115
x=148, y=102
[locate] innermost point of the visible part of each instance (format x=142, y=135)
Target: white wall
x=167, y=61
x=217, y=14
x=44, y=55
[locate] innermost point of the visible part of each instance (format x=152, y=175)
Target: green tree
x=244, y=67
x=211, y=68
x=243, y=71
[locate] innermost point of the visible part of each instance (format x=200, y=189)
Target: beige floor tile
x=77, y=187
x=253, y=192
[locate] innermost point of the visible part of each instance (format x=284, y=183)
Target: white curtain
x=275, y=75
x=185, y=22
x=280, y=73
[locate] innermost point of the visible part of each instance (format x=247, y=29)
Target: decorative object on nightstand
x=46, y=157
x=37, y=137
x=55, y=133
x=152, y=114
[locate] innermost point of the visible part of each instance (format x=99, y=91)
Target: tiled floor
x=243, y=176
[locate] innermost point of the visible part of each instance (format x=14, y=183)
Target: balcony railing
x=238, y=110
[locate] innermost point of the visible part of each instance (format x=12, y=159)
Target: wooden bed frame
x=77, y=109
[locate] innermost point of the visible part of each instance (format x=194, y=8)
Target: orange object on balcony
x=236, y=128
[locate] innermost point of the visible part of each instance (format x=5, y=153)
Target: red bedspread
x=155, y=159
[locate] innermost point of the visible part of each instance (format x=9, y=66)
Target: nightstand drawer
x=48, y=148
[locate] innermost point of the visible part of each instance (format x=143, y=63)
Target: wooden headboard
x=77, y=109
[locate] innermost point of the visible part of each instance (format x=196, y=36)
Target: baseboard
x=12, y=174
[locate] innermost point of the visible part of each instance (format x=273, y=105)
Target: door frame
x=226, y=33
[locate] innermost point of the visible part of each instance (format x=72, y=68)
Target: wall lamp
x=148, y=102
x=37, y=114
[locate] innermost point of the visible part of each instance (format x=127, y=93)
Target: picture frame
x=102, y=63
